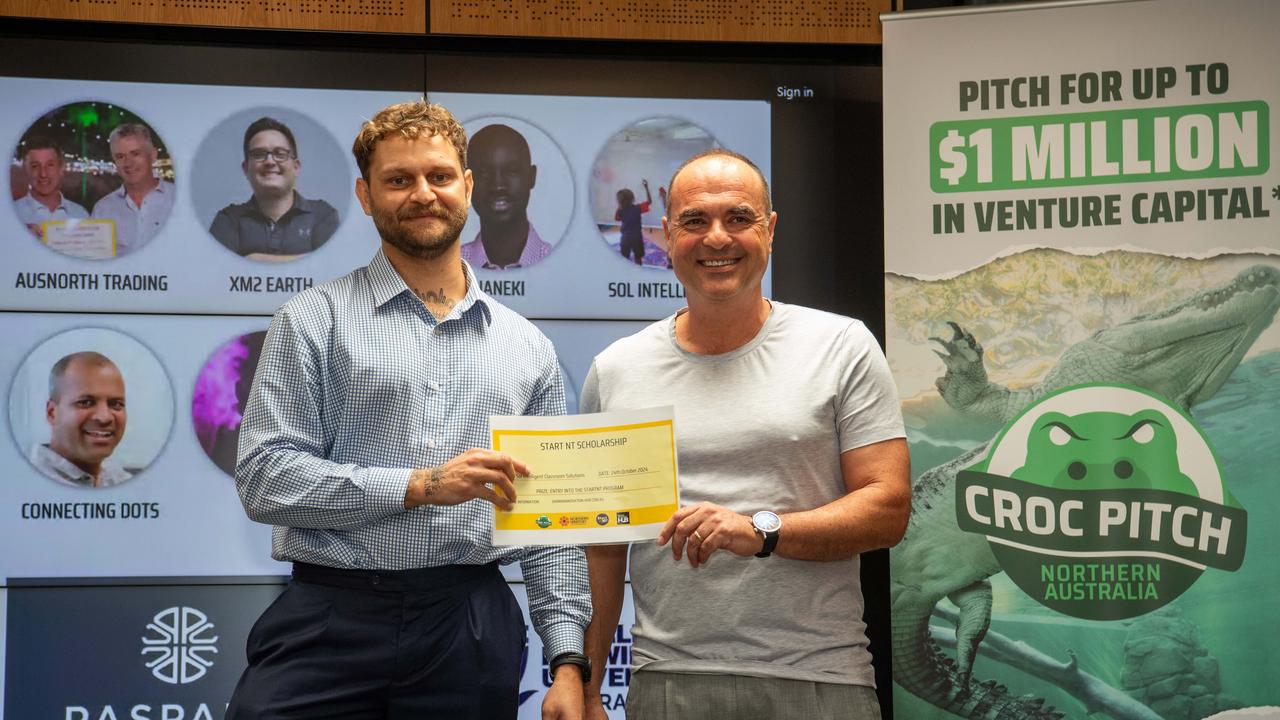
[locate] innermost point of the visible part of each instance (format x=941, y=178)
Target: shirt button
x=431, y=444
x=434, y=386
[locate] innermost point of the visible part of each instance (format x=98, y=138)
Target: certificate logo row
x=94, y=180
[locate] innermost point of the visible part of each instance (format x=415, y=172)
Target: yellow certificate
x=89, y=239
x=597, y=478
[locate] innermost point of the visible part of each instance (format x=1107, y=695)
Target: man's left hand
x=564, y=697
x=699, y=530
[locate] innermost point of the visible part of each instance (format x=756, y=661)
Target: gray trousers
x=686, y=696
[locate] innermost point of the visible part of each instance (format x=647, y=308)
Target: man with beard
x=142, y=202
x=87, y=416
x=363, y=444
x=276, y=222
x=504, y=176
x=43, y=163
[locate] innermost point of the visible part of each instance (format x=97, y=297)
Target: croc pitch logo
x=178, y=645
x=1103, y=502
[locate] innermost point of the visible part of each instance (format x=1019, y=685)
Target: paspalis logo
x=178, y=645
x=1103, y=502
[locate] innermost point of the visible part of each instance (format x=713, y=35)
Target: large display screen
x=142, y=197
x=138, y=256
x=137, y=266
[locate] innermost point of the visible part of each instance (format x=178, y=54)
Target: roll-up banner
x=1082, y=273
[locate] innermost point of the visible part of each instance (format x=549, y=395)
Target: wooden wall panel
x=782, y=21
x=789, y=21
x=398, y=16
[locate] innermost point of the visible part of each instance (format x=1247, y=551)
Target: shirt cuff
x=384, y=490
x=560, y=638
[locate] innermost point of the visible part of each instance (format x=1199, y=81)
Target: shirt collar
x=534, y=250
x=387, y=284
x=384, y=280
x=69, y=471
x=475, y=297
x=31, y=200
x=124, y=193
x=300, y=205
x=50, y=462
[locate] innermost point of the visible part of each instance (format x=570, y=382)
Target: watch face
x=766, y=521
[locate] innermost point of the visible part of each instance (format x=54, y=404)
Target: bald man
x=87, y=416
x=792, y=462
x=504, y=176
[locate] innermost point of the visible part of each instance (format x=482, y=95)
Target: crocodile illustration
x=1184, y=353
x=1096, y=451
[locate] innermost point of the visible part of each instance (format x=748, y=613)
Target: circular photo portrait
x=627, y=178
x=222, y=389
x=91, y=407
x=271, y=184
x=92, y=180
x=523, y=195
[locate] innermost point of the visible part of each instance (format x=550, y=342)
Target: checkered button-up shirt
x=358, y=385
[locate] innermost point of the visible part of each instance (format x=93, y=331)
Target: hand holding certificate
x=599, y=478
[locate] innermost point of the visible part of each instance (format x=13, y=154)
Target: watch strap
x=770, y=542
x=572, y=658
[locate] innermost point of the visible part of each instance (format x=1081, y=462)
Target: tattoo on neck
x=439, y=298
x=434, y=297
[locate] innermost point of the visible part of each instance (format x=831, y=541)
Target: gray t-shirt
x=760, y=427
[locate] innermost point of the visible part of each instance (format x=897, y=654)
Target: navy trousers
x=434, y=643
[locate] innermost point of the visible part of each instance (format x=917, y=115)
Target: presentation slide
x=167, y=396
x=147, y=197
x=594, y=190
x=159, y=204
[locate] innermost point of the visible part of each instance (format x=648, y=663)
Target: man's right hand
x=476, y=473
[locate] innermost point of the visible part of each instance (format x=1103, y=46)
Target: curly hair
x=411, y=120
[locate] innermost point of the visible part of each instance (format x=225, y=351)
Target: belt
x=432, y=579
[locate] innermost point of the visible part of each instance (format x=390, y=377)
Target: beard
x=419, y=242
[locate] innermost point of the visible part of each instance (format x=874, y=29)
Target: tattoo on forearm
x=429, y=479
x=432, y=484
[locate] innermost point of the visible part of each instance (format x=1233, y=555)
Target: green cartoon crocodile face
x=1104, y=450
